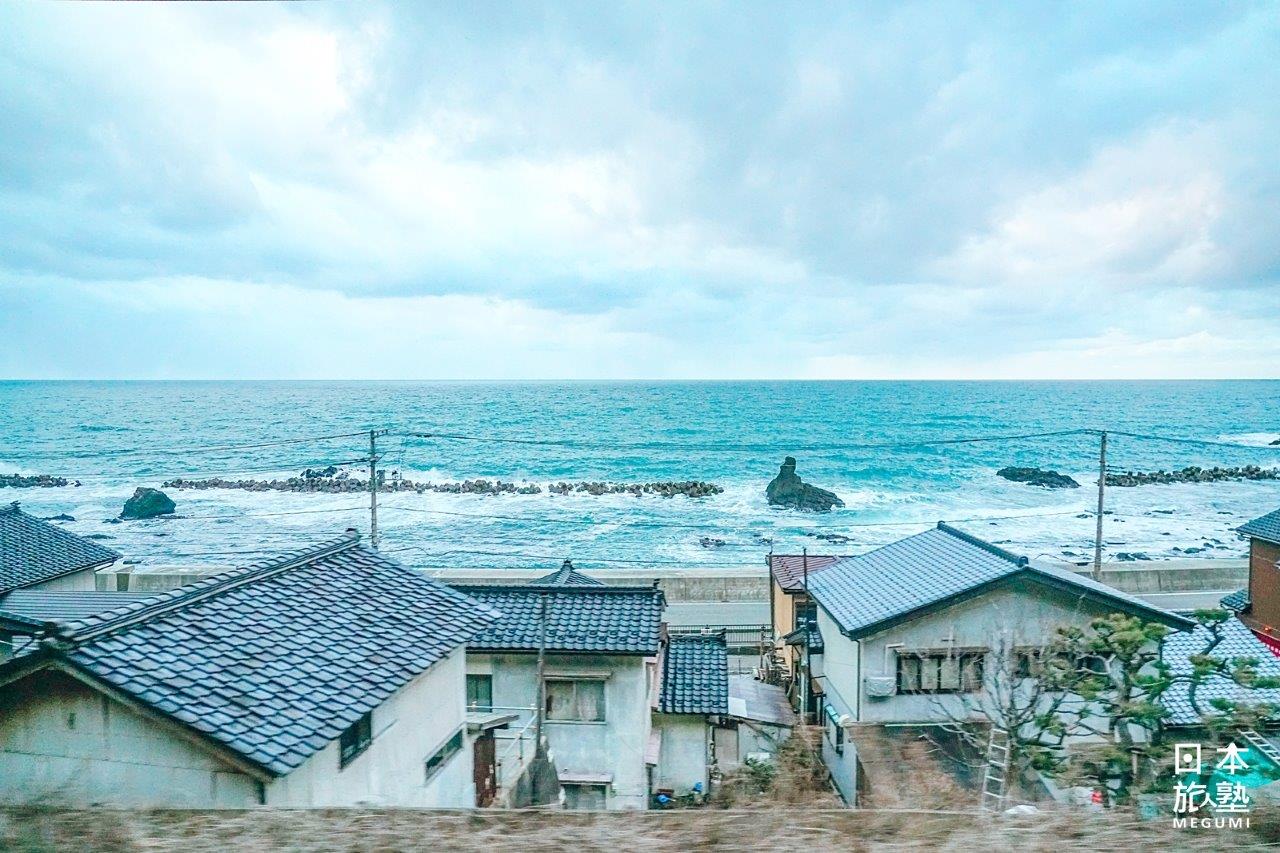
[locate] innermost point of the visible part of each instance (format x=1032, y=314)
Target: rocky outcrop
x=787, y=489
x=1038, y=477
x=147, y=503
x=1192, y=474
x=336, y=481
x=34, y=481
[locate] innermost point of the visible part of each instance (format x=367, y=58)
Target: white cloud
x=1140, y=213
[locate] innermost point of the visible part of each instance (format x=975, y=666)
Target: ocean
x=115, y=436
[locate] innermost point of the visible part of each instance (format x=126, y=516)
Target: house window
x=940, y=672
x=578, y=700
x=585, y=797
x=479, y=692
x=355, y=739
x=1035, y=661
x=442, y=755
x=806, y=612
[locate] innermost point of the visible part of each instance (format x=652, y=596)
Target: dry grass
x=794, y=811
x=762, y=828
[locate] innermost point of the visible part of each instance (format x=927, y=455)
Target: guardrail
x=750, y=638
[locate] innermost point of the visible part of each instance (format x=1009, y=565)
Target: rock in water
x=787, y=489
x=147, y=503
x=1038, y=477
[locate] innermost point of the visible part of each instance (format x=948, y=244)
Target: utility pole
x=1102, y=485
x=373, y=485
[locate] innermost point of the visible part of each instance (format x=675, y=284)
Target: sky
x=640, y=191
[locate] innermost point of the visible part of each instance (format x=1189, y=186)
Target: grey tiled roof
x=805, y=635
x=1238, y=641
x=1237, y=602
x=567, y=575
x=33, y=551
x=275, y=660
x=695, y=675
x=870, y=591
x=789, y=569
x=606, y=619
x=40, y=605
x=1267, y=527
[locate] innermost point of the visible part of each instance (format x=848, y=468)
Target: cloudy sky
x=592, y=190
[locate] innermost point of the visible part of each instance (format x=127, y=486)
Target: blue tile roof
x=1238, y=641
x=695, y=675
x=1266, y=528
x=1237, y=602
x=605, y=619
x=33, y=551
x=567, y=575
x=871, y=591
x=275, y=660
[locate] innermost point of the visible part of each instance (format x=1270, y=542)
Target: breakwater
x=330, y=481
x=1192, y=474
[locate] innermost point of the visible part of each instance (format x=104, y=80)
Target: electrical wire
x=758, y=446
x=189, y=450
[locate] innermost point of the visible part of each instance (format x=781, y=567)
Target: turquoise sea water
x=114, y=436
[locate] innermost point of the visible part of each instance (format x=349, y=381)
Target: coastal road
x=1185, y=601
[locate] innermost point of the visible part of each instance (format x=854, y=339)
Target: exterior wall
x=63, y=743
x=782, y=609
x=683, y=759
x=407, y=729
x=840, y=681
x=1264, y=585
x=1024, y=615
x=615, y=747
x=74, y=582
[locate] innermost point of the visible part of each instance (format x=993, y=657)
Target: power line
x=182, y=451
x=758, y=446
x=1194, y=441
x=710, y=526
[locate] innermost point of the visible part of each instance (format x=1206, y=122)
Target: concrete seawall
x=746, y=584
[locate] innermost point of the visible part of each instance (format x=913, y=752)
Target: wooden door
x=485, y=769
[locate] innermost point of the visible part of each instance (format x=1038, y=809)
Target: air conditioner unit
x=880, y=686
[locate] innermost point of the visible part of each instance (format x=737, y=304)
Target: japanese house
x=326, y=677
x=907, y=629
x=600, y=646
x=1258, y=604
x=692, y=704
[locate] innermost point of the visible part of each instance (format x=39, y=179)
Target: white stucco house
x=692, y=704
x=601, y=647
x=326, y=677
x=906, y=630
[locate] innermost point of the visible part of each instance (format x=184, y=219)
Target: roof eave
x=1027, y=573
x=533, y=650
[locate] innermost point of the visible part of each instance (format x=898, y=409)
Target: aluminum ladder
x=1262, y=745
x=995, y=777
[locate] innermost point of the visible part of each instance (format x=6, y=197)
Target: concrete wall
x=407, y=729
x=614, y=747
x=683, y=759
x=63, y=742
x=74, y=582
x=746, y=584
